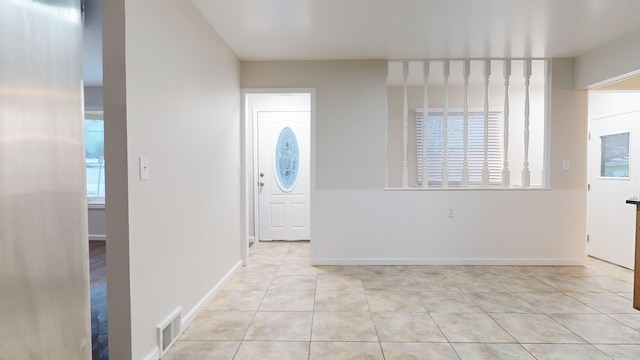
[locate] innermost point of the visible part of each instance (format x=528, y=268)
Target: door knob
x=261, y=183
x=261, y=174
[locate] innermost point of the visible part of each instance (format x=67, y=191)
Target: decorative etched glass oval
x=287, y=159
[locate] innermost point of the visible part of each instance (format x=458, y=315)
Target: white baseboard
x=448, y=261
x=154, y=354
x=193, y=313
x=187, y=319
x=97, y=237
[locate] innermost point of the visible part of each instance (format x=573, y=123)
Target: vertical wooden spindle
x=485, y=165
x=465, y=161
x=445, y=125
x=405, y=124
x=506, y=175
x=526, y=173
x=425, y=118
x=546, y=176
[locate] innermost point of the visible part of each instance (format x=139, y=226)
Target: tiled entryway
x=279, y=307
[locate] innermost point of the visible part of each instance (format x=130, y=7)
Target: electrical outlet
x=451, y=212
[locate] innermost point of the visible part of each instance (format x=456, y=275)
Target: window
x=614, y=161
x=455, y=147
x=94, y=153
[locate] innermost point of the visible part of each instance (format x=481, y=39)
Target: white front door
x=613, y=178
x=283, y=178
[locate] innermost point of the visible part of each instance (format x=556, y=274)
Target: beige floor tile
x=598, y=328
x=273, y=350
x=419, y=270
x=551, y=270
x=297, y=269
x=288, y=301
x=626, y=295
x=565, y=352
x=491, y=351
x=219, y=325
x=386, y=301
x=631, y=320
x=610, y=283
x=249, y=283
x=555, y=303
x=535, y=329
x=450, y=301
x=338, y=270
x=386, y=283
x=378, y=270
x=418, y=351
x=281, y=326
x=351, y=301
x=479, y=283
x=417, y=327
x=621, y=352
x=501, y=302
x=606, y=302
x=524, y=284
x=202, y=350
x=338, y=282
x=470, y=327
x=570, y=284
x=254, y=269
x=414, y=311
x=293, y=283
x=346, y=351
x=236, y=300
x=432, y=283
x=343, y=326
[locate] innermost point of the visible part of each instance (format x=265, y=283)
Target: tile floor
x=279, y=307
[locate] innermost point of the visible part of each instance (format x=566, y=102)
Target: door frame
x=249, y=168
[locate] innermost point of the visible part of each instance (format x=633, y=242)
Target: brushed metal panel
x=44, y=270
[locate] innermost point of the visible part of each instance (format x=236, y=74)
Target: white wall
x=355, y=221
x=613, y=61
x=176, y=236
x=349, y=113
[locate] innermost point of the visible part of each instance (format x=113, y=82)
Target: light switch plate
x=566, y=165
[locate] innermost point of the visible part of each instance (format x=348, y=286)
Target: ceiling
x=400, y=29
x=417, y=29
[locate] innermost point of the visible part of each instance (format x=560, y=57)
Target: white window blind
x=455, y=147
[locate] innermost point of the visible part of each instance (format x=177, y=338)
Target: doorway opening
x=278, y=165
x=613, y=172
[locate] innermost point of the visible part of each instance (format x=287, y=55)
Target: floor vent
x=168, y=331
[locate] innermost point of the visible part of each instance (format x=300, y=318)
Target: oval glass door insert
x=287, y=159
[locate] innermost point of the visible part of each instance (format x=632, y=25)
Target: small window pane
x=614, y=160
x=94, y=152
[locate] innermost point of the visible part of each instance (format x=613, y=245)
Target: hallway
x=279, y=307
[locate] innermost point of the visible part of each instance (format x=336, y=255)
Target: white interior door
x=613, y=178
x=283, y=175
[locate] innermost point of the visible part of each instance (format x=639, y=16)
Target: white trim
x=252, y=239
x=193, y=313
x=246, y=116
x=98, y=237
x=154, y=354
x=448, y=261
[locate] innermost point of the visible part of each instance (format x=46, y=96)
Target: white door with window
x=613, y=178
x=283, y=178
